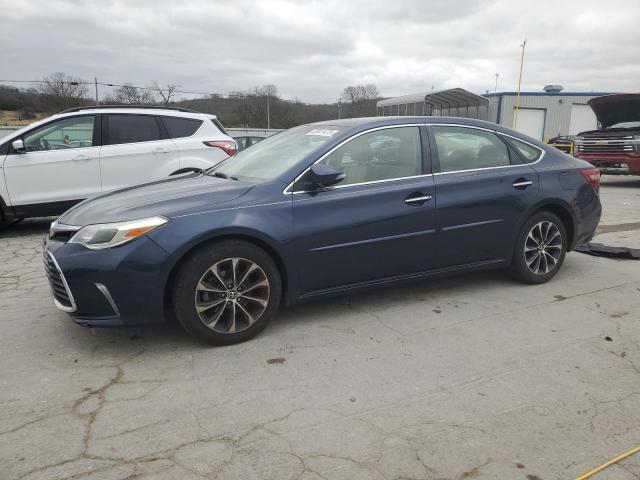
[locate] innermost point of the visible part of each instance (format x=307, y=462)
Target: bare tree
x=268, y=90
x=129, y=95
x=165, y=92
x=261, y=107
x=63, y=91
x=360, y=99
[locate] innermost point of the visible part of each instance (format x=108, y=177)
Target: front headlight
x=106, y=235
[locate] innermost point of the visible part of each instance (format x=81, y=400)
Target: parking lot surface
x=471, y=377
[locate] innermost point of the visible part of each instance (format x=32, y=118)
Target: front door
x=60, y=166
x=378, y=223
x=483, y=189
x=135, y=150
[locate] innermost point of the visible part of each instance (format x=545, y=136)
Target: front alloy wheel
x=226, y=292
x=232, y=295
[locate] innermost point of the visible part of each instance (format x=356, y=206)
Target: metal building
x=544, y=115
x=454, y=102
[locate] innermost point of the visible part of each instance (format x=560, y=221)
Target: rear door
x=60, y=164
x=184, y=132
x=378, y=223
x=136, y=149
x=483, y=188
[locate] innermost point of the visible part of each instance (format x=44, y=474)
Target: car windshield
x=273, y=156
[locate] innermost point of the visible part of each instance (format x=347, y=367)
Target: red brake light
x=231, y=148
x=592, y=176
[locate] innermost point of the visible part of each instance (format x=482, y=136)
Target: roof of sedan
x=373, y=122
x=394, y=120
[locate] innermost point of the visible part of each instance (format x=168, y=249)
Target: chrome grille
x=606, y=143
x=606, y=136
x=609, y=147
x=61, y=294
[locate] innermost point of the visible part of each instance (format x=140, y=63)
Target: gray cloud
x=311, y=50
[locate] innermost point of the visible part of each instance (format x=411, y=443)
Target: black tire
x=523, y=268
x=229, y=315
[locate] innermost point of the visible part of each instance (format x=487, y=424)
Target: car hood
x=170, y=197
x=612, y=109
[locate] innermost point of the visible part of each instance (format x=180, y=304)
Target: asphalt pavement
x=470, y=377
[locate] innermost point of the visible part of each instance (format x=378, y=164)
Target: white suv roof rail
x=151, y=107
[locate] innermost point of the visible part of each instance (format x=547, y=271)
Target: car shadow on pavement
x=30, y=226
x=612, y=181
x=170, y=337
x=431, y=294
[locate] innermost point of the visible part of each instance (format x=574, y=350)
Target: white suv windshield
x=275, y=155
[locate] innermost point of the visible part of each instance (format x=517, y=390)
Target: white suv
x=49, y=166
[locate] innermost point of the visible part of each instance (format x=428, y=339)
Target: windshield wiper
x=224, y=175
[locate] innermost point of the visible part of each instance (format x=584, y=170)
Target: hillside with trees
x=258, y=107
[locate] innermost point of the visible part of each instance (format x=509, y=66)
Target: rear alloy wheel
x=227, y=292
x=543, y=247
x=540, y=249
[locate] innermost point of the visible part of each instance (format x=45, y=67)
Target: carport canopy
x=441, y=100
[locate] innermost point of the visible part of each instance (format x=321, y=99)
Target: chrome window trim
x=288, y=191
x=105, y=291
x=64, y=308
x=542, y=152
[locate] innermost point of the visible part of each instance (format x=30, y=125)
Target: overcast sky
x=311, y=50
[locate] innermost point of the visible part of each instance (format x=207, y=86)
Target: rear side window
x=529, y=153
x=181, y=127
x=132, y=129
x=217, y=123
x=461, y=148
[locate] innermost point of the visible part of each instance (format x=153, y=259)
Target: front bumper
x=118, y=286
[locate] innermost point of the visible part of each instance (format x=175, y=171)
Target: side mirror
x=319, y=177
x=18, y=146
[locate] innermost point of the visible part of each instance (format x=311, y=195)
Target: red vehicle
x=615, y=147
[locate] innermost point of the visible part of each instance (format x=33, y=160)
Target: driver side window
x=75, y=132
x=379, y=155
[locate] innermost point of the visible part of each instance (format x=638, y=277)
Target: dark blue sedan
x=319, y=210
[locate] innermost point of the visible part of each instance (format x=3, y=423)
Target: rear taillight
x=592, y=176
x=231, y=148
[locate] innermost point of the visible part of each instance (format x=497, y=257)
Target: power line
x=117, y=85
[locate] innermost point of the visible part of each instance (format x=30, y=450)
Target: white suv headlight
x=106, y=235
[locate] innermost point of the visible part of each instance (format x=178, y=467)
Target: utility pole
x=515, y=117
x=95, y=81
x=339, y=107
x=495, y=90
x=268, y=111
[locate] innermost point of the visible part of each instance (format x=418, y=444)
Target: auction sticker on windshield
x=322, y=133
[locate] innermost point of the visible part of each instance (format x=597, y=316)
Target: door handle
x=81, y=157
x=159, y=150
x=417, y=199
x=521, y=183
